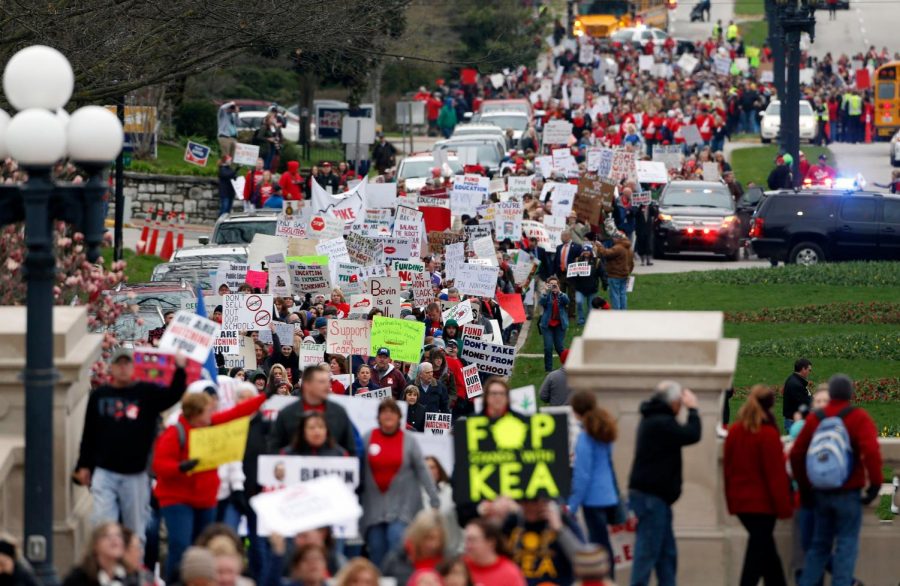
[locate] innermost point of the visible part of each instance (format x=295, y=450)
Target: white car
x=515, y=120
x=210, y=252
x=770, y=122
x=415, y=169
x=479, y=129
x=253, y=120
x=895, y=149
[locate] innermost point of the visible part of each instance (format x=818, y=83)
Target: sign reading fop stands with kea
x=516, y=457
x=192, y=334
x=403, y=337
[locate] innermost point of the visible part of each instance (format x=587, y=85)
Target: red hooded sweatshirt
x=198, y=490
x=291, y=181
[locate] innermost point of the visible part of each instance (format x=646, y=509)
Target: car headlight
x=664, y=217
x=727, y=221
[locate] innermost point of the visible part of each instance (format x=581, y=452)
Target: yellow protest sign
x=218, y=444
x=403, y=337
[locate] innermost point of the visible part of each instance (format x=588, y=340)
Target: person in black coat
x=587, y=287
x=566, y=253
x=415, y=412
x=227, y=174
x=643, y=226
x=781, y=177
x=796, y=391
x=433, y=395
x=12, y=571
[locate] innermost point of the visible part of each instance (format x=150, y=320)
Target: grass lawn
x=754, y=32
x=138, y=267
x=748, y=8
x=170, y=160
x=755, y=163
x=826, y=312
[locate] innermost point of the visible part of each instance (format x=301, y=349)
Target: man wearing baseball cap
x=328, y=179
x=387, y=375
x=120, y=424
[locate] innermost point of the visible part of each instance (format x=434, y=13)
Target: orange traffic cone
x=868, y=128
x=151, y=250
x=180, y=243
x=145, y=233
x=166, y=252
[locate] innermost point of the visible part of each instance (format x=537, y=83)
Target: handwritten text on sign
x=192, y=334
x=402, y=337
x=437, y=423
x=247, y=312
x=473, y=381
x=492, y=359
x=348, y=336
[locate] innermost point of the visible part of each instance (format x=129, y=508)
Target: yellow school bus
x=887, y=100
x=601, y=18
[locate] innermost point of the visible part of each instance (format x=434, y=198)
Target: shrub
x=868, y=346
x=196, y=118
x=828, y=313
x=851, y=274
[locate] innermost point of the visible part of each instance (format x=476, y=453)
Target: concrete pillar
x=74, y=351
x=621, y=356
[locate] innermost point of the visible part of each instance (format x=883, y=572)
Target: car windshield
x=773, y=109
x=617, y=7
x=504, y=122
x=713, y=196
x=150, y=300
x=497, y=107
x=242, y=232
x=423, y=168
x=196, y=275
x=805, y=109
x=211, y=259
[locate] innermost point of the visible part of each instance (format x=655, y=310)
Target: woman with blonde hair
x=102, y=563
x=358, y=572
x=424, y=545
x=757, y=488
x=594, y=485
x=339, y=302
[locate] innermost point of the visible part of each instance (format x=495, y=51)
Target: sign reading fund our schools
x=516, y=457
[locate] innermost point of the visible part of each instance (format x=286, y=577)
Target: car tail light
x=756, y=230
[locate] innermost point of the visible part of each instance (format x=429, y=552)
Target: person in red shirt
x=262, y=190
x=757, y=488
x=422, y=95
x=820, y=173
x=486, y=556
x=187, y=501
x=339, y=302
x=803, y=165
x=252, y=179
x=838, y=513
x=704, y=122
x=432, y=110
x=291, y=181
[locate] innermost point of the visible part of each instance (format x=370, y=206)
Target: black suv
x=697, y=216
x=812, y=226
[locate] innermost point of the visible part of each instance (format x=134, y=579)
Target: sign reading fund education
x=516, y=457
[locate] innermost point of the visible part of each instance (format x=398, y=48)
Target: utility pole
x=794, y=19
x=776, y=44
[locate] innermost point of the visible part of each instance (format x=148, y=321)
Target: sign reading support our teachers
x=516, y=457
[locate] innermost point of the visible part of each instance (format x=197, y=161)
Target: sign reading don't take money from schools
x=492, y=359
x=521, y=458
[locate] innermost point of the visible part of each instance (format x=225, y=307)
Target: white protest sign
x=335, y=249
x=396, y=248
x=722, y=64
x=645, y=62
x=363, y=251
x=691, y=134
x=385, y=292
x=246, y=154
x=376, y=222
x=578, y=269
x=311, y=354
x=454, y=258
x=557, y=132
x=348, y=336
x=347, y=278
x=472, y=279
x=469, y=192
x=210, y=302
x=472, y=381
x=461, y=313
x=192, y=334
x=293, y=226
x=247, y=312
x=508, y=221
x=537, y=233
x=408, y=226
x=484, y=248
x=360, y=306
x=312, y=279
x=322, y=502
x=363, y=411
x=562, y=196
x=652, y=172
x=492, y=359
x=367, y=273
x=523, y=400
x=274, y=404
x=554, y=225
x=519, y=186
x=381, y=195
x=473, y=331
x=231, y=274
x=711, y=171
x=325, y=227
x=227, y=342
x=544, y=166
x=437, y=423
x=264, y=245
x=379, y=394
x=439, y=447
x=279, y=279
x=421, y=288
x=406, y=269
x=688, y=63
x=641, y=198
x=281, y=471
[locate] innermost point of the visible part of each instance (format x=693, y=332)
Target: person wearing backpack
x=834, y=455
x=757, y=488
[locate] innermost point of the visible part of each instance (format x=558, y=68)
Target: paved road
x=680, y=25
x=871, y=160
x=866, y=23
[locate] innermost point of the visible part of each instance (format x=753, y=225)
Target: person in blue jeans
x=619, y=264
x=554, y=321
x=655, y=482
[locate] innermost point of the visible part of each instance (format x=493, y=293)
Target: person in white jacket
x=233, y=502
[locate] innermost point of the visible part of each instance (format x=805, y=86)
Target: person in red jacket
x=253, y=178
x=838, y=513
x=187, y=501
x=291, y=181
x=757, y=488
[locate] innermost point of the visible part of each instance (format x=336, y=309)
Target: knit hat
x=7, y=549
x=591, y=563
x=321, y=322
x=198, y=562
x=450, y=323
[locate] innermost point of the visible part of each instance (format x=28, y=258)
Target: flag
x=210, y=370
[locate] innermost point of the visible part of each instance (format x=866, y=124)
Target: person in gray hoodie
x=555, y=389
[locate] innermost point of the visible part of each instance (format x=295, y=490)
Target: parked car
x=196, y=272
x=147, y=305
x=770, y=121
x=488, y=150
x=252, y=120
x=516, y=105
x=471, y=129
x=211, y=253
x=415, y=169
x=240, y=227
x=895, y=149
x=812, y=226
x=518, y=121
x=639, y=36
x=696, y=216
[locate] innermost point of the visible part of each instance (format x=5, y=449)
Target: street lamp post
x=795, y=19
x=776, y=44
x=38, y=82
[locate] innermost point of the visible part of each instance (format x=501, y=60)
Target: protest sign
x=381, y=195
x=721, y=64
x=323, y=502
x=641, y=198
x=652, y=172
x=511, y=457
x=405, y=269
x=363, y=411
x=264, y=245
x=687, y=62
x=348, y=336
x=360, y=306
x=408, y=227
x=314, y=279
x=484, y=248
x=367, y=273
x=454, y=259
x=492, y=359
x=587, y=204
x=622, y=539
x=544, y=166
x=623, y=166
x=231, y=274
x=376, y=222
x=472, y=279
x=281, y=471
x=472, y=330
x=437, y=446
x=557, y=132
x=438, y=241
x=586, y=53
x=691, y=135
x=422, y=290
x=469, y=192
x=472, y=381
x=385, y=292
x=218, y=444
x=246, y=154
x=711, y=171
x=190, y=333
x=311, y=354
x=645, y=62
x=346, y=207
x=210, y=302
x=554, y=226
x=461, y=313
x=293, y=226
x=257, y=279
x=669, y=154
x=402, y=337
x=335, y=249
x=379, y=394
x=274, y=404
x=433, y=198
x=578, y=269
x=395, y=248
x=537, y=233
x=363, y=251
x=475, y=232
x=519, y=186
x=155, y=366
x=523, y=400
x=196, y=154
x=347, y=278
x=245, y=357
x=324, y=227
x=227, y=342
x=437, y=423
x=247, y=312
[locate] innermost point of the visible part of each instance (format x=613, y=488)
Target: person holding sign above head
x=314, y=389
x=393, y=472
x=554, y=320
x=187, y=500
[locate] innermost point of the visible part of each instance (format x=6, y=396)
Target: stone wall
x=197, y=197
